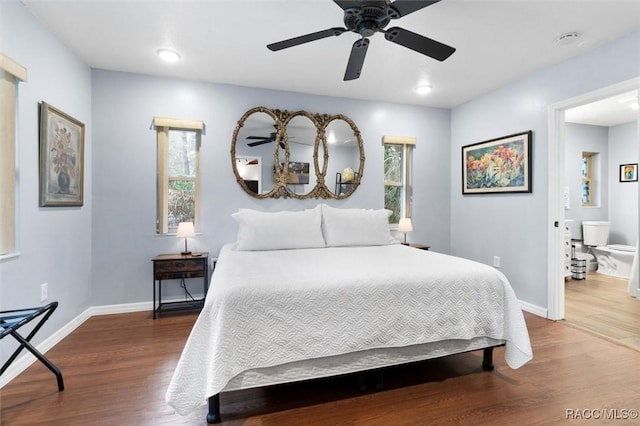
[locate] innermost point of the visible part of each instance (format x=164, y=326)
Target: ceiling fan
x=366, y=17
x=261, y=140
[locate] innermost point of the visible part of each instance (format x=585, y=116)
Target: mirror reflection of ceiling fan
x=365, y=18
x=246, y=162
x=332, y=138
x=261, y=140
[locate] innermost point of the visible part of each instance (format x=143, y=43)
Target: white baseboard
x=25, y=360
x=120, y=309
x=533, y=309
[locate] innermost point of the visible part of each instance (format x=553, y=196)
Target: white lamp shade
x=405, y=225
x=186, y=229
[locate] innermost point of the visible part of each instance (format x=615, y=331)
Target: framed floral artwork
x=629, y=172
x=61, y=158
x=501, y=165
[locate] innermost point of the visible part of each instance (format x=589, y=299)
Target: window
x=178, y=172
x=397, y=176
x=10, y=74
x=588, y=190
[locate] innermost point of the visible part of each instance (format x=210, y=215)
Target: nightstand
x=179, y=267
x=419, y=246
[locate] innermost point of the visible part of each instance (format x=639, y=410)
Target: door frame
x=556, y=146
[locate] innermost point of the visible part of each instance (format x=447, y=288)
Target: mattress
x=273, y=316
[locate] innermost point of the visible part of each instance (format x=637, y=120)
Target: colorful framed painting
x=61, y=158
x=501, y=165
x=629, y=172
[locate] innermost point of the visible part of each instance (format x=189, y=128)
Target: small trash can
x=588, y=264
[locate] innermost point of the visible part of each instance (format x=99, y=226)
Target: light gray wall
x=581, y=138
x=54, y=242
x=515, y=227
x=124, y=169
x=623, y=196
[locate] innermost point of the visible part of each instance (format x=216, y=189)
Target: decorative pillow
x=259, y=230
x=356, y=227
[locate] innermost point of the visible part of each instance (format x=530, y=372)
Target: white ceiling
x=497, y=41
x=607, y=112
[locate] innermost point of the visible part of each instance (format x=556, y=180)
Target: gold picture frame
x=61, y=158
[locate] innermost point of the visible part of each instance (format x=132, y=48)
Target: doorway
x=556, y=120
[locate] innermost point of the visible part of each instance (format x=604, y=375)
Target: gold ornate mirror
x=345, y=156
x=256, y=140
x=300, y=134
x=297, y=154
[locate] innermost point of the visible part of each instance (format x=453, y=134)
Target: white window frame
x=11, y=73
x=163, y=127
x=407, y=143
x=589, y=179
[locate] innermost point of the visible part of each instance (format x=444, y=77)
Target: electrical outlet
x=496, y=261
x=44, y=292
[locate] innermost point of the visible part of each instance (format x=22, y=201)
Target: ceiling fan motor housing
x=367, y=20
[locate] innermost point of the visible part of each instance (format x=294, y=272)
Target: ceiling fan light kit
x=365, y=18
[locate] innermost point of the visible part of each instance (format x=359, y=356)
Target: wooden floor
x=117, y=367
x=601, y=304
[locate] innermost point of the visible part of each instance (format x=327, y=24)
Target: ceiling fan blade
x=356, y=59
x=262, y=142
x=420, y=44
x=405, y=7
x=306, y=38
x=351, y=4
x=258, y=137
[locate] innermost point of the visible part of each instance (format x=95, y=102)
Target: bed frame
x=213, y=416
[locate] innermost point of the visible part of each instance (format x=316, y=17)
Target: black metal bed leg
x=379, y=380
x=487, y=359
x=213, y=416
x=362, y=382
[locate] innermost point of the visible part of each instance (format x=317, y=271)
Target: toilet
x=614, y=260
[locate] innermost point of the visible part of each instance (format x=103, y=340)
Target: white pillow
x=356, y=227
x=259, y=230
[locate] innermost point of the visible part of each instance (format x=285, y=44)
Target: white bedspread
x=268, y=308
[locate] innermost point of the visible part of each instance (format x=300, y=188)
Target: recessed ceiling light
x=567, y=38
x=168, y=55
x=423, y=89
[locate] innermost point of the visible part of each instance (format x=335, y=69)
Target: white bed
x=274, y=316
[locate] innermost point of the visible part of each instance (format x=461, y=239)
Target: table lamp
x=185, y=230
x=405, y=226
